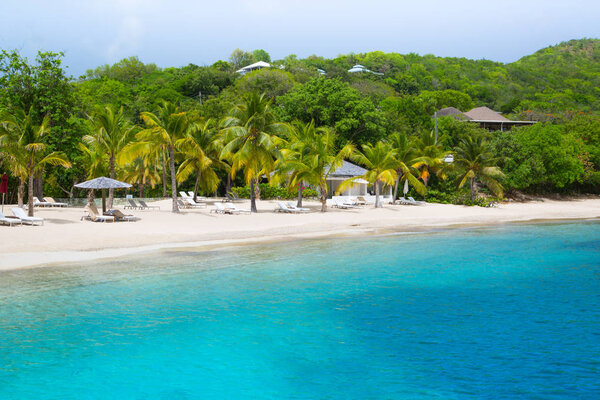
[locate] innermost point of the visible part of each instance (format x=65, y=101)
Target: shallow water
x=497, y=313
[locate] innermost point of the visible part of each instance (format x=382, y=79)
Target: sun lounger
x=181, y=204
x=356, y=201
x=132, y=205
x=235, y=209
x=231, y=196
x=146, y=206
x=190, y=202
x=20, y=214
x=38, y=203
x=183, y=195
x=191, y=196
x=406, y=202
x=338, y=204
x=54, y=203
x=363, y=200
x=119, y=216
x=416, y=201
x=9, y=221
x=282, y=207
x=293, y=207
x=220, y=209
x=94, y=214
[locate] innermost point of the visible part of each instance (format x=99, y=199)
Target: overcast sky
x=179, y=32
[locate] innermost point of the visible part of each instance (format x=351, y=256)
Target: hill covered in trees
x=557, y=85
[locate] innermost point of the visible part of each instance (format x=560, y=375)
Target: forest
x=214, y=130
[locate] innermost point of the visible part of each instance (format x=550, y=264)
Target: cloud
x=127, y=40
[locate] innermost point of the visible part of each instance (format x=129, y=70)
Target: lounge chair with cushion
x=183, y=195
x=146, y=206
x=293, y=207
x=220, y=209
x=407, y=202
x=181, y=204
x=339, y=204
x=192, y=203
x=20, y=214
x=363, y=200
x=38, y=203
x=119, y=216
x=191, y=195
x=233, y=208
x=416, y=201
x=9, y=221
x=132, y=205
x=94, y=214
x=54, y=203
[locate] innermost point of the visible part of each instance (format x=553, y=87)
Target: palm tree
x=163, y=130
x=250, y=144
x=474, y=158
x=407, y=160
x=310, y=157
x=22, y=139
x=201, y=149
x=110, y=131
x=142, y=172
x=431, y=156
x=94, y=161
x=380, y=162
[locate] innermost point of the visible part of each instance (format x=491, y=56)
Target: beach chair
x=341, y=205
x=20, y=214
x=9, y=221
x=183, y=195
x=191, y=196
x=405, y=202
x=146, y=206
x=119, y=216
x=132, y=205
x=363, y=200
x=54, y=203
x=192, y=203
x=38, y=203
x=220, y=209
x=233, y=208
x=94, y=214
x=292, y=206
x=181, y=204
x=416, y=201
x=232, y=196
x=358, y=202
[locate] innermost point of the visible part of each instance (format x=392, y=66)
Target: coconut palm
x=380, y=163
x=431, y=156
x=22, y=138
x=407, y=160
x=310, y=157
x=142, y=172
x=201, y=150
x=163, y=130
x=474, y=158
x=95, y=161
x=249, y=136
x=110, y=131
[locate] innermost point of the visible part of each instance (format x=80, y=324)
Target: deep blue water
x=497, y=313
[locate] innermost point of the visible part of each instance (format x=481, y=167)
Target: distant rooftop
x=485, y=114
x=452, y=112
x=347, y=169
x=252, y=67
x=362, y=68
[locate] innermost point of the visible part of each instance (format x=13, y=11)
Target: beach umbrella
x=3, y=188
x=405, y=186
x=103, y=183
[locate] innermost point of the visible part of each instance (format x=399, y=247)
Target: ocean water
x=510, y=312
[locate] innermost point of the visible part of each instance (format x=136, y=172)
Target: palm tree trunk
x=141, y=190
x=252, y=195
x=173, y=178
x=300, y=189
x=323, y=196
x=111, y=191
x=472, y=189
x=228, y=185
x=30, y=194
x=21, y=193
x=377, y=201
x=396, y=186
x=196, y=186
x=90, y=197
x=164, y=174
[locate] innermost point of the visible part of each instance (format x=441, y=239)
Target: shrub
x=273, y=192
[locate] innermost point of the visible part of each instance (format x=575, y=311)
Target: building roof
x=347, y=169
x=485, y=114
x=452, y=112
x=256, y=65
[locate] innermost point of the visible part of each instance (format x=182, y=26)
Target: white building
x=359, y=187
x=253, y=67
x=361, y=68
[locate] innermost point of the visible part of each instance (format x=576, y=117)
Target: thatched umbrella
x=103, y=183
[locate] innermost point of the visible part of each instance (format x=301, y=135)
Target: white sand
x=65, y=238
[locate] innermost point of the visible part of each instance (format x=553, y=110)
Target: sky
x=174, y=33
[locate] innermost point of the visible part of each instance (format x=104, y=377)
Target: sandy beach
x=64, y=237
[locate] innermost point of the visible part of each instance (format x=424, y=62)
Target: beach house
x=484, y=116
x=253, y=67
x=359, y=187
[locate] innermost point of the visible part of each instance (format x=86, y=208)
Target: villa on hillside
x=361, y=68
x=253, y=67
x=484, y=116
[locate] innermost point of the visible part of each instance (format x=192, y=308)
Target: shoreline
x=277, y=233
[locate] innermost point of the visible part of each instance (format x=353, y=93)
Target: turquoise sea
x=510, y=312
